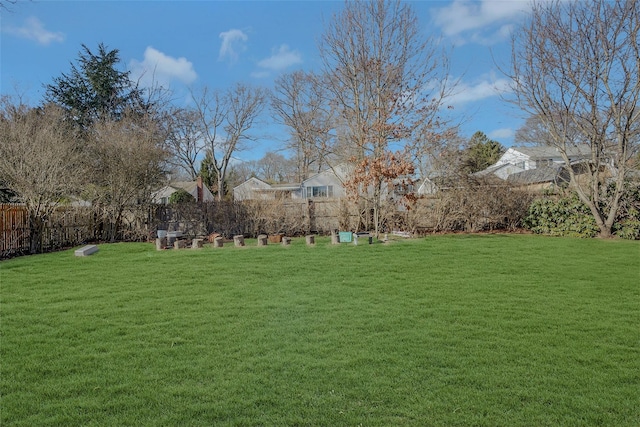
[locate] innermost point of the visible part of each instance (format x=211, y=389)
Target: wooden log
x=238, y=240
x=196, y=244
x=262, y=240
x=161, y=243
x=218, y=242
x=335, y=237
x=311, y=239
x=286, y=241
x=275, y=238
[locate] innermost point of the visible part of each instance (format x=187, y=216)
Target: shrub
x=181, y=196
x=627, y=225
x=566, y=216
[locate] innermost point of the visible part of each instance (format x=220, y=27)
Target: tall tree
x=481, y=152
x=575, y=67
x=184, y=140
x=300, y=102
x=226, y=119
x=534, y=132
x=95, y=88
x=41, y=161
x=275, y=168
x=379, y=66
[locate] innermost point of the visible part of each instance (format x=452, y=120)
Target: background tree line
x=379, y=102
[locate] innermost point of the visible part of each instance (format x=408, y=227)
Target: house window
x=320, y=191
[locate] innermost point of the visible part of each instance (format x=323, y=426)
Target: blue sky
x=185, y=44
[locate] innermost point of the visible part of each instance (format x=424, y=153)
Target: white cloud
x=282, y=58
x=233, y=42
x=464, y=17
x=158, y=68
x=260, y=74
x=33, y=29
x=503, y=133
x=487, y=88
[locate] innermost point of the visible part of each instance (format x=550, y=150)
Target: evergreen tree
x=95, y=89
x=481, y=152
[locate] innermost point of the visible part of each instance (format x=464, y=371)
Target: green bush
x=629, y=227
x=181, y=196
x=566, y=216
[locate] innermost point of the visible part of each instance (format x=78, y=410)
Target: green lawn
x=496, y=330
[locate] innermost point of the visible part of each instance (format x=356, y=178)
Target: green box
x=345, y=236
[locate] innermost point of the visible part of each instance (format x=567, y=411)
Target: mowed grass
x=500, y=330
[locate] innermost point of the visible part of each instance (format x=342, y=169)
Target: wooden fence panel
x=67, y=226
x=14, y=226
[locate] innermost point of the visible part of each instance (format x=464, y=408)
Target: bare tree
x=125, y=157
x=185, y=140
x=380, y=67
x=226, y=119
x=40, y=160
x=275, y=168
x=534, y=132
x=301, y=103
x=575, y=67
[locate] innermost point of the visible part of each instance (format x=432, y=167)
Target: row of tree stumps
x=238, y=241
x=164, y=243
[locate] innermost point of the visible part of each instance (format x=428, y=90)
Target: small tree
x=125, y=157
x=181, y=196
x=41, y=161
x=481, y=153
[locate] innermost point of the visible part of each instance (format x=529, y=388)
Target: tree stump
x=196, y=244
x=286, y=241
x=218, y=242
x=161, y=243
x=238, y=240
x=262, y=240
x=311, y=239
x=335, y=237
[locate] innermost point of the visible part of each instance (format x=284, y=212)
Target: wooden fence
x=68, y=226
x=14, y=225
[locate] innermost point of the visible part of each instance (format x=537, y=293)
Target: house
x=519, y=161
x=196, y=188
x=326, y=184
x=252, y=189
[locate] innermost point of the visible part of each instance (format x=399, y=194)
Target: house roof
x=539, y=175
x=188, y=186
x=546, y=151
x=491, y=170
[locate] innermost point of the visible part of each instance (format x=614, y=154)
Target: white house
x=517, y=160
x=196, y=188
x=253, y=188
x=326, y=184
